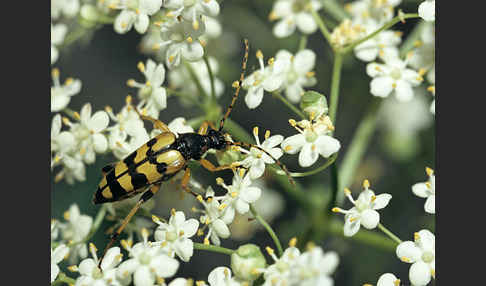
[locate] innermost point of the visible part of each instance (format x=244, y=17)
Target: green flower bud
x=313, y=103
x=245, y=260
x=228, y=157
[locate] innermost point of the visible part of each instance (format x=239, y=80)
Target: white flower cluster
x=312, y=267
x=285, y=72
x=293, y=14
x=61, y=10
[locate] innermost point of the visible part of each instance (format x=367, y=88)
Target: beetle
x=164, y=156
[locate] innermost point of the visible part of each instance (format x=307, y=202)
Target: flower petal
x=254, y=97
x=293, y=144
x=409, y=251
x=420, y=190
x=284, y=28
x=327, y=145
x=99, y=121
x=305, y=22
x=308, y=155
x=143, y=277
x=381, y=86
x=304, y=61
x=381, y=201
x=419, y=274
x=370, y=219
x=403, y=91
x=430, y=204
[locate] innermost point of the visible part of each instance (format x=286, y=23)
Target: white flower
x=193, y=9
x=312, y=141
x=73, y=169
x=105, y=275
x=135, y=15
x=128, y=133
x=294, y=14
x=61, y=94
x=427, y=190
x=279, y=273
x=89, y=132
x=388, y=279
x=213, y=28
x=62, y=142
x=364, y=211
x=221, y=276
x=75, y=230
x=241, y=193
x=181, y=41
x=68, y=8
x=426, y=10
x=268, y=78
x=178, y=126
x=346, y=33
x=58, y=32
x=299, y=73
x=384, y=45
x=216, y=216
x=153, y=97
x=180, y=78
x=423, y=55
x=391, y=76
x=314, y=267
x=421, y=254
x=175, y=234
x=371, y=12
x=148, y=264
x=57, y=255
x=257, y=159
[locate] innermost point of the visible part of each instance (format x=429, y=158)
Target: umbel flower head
x=61, y=94
x=421, y=254
x=134, y=13
x=364, y=211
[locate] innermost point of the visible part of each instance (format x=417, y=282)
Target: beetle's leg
x=157, y=123
x=145, y=197
x=208, y=165
x=203, y=129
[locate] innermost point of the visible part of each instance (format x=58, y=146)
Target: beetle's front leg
x=209, y=166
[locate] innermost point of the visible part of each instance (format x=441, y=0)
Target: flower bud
x=314, y=104
x=89, y=13
x=246, y=260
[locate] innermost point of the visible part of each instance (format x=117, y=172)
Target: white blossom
x=105, y=275
x=388, y=279
x=383, y=45
x=62, y=142
x=269, y=78
x=73, y=169
x=299, y=72
x=421, y=254
x=314, y=140
x=134, y=13
x=57, y=255
x=89, y=133
x=257, y=159
x=148, y=263
x=192, y=10
x=292, y=14
x=216, y=216
x=347, y=33
x=364, y=210
x=61, y=94
x=371, y=13
x=427, y=190
x=175, y=235
x=426, y=10
x=153, y=97
x=393, y=76
x=75, y=230
x=241, y=193
x=58, y=32
x=68, y=8
x=280, y=272
x=423, y=55
x=221, y=276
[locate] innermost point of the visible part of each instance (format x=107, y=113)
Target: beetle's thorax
x=194, y=146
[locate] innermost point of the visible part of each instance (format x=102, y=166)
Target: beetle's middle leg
x=157, y=123
x=203, y=129
x=209, y=166
x=147, y=195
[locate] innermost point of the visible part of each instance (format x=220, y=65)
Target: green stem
x=387, y=25
x=194, y=77
x=62, y=278
x=334, y=188
x=213, y=248
x=302, y=42
x=358, y=146
x=211, y=76
x=334, y=9
x=336, y=78
x=184, y=95
x=289, y=105
x=389, y=233
x=237, y=131
x=295, y=192
x=268, y=228
x=325, y=32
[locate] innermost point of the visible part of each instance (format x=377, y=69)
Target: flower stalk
x=213, y=248
x=268, y=228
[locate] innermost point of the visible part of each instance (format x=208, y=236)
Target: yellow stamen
x=255, y=131
x=429, y=171
x=92, y=247
x=235, y=84
x=222, y=207
x=347, y=191
x=397, y=282
x=82, y=151
x=310, y=74
x=171, y=59
x=405, y=259
x=269, y=250
x=206, y=241
x=431, y=89
x=366, y=184
x=131, y=82
x=55, y=72
x=200, y=232
x=293, y=242
x=267, y=134
x=145, y=232
x=259, y=54
x=73, y=268
x=141, y=67
x=76, y=115
x=219, y=181
x=172, y=212
x=272, y=16
x=200, y=198
x=202, y=42
x=292, y=122
x=189, y=40
x=336, y=210
x=195, y=25
x=416, y=236
x=352, y=219
x=287, y=148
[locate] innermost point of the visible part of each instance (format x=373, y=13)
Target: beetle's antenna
x=238, y=86
x=282, y=166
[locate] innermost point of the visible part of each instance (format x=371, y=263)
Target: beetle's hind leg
x=147, y=195
x=157, y=123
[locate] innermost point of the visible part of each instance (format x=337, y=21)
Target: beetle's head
x=217, y=140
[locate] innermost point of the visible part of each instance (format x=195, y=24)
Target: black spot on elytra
x=161, y=168
x=138, y=180
x=115, y=187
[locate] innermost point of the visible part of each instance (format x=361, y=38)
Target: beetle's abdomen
x=152, y=162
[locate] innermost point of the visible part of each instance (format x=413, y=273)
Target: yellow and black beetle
x=161, y=158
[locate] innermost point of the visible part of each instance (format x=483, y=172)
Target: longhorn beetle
x=163, y=157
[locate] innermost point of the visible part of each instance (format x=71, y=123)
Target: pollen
x=235, y=84
x=147, y=83
x=202, y=42
x=189, y=40
x=287, y=148
x=55, y=72
x=405, y=259
x=219, y=181
x=124, y=25
x=255, y=131
x=141, y=67
x=366, y=184
x=137, y=11
x=222, y=207
x=242, y=173
x=200, y=232
x=234, y=194
x=313, y=147
x=272, y=16
x=373, y=198
x=269, y=250
x=171, y=59
x=259, y=54
x=394, y=85
x=310, y=74
x=429, y=171
x=82, y=151
x=293, y=242
x=206, y=241
x=267, y=134
x=66, y=215
x=292, y=122
x=172, y=212
x=417, y=43
x=92, y=247
x=431, y=89
x=397, y=282
x=195, y=25
x=416, y=236
x=155, y=47
x=131, y=82
x=73, y=268
x=76, y=115
x=377, y=68
x=336, y=210
x=352, y=219
x=428, y=185
x=271, y=61
x=159, y=23
x=68, y=81
x=200, y=198
x=347, y=191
